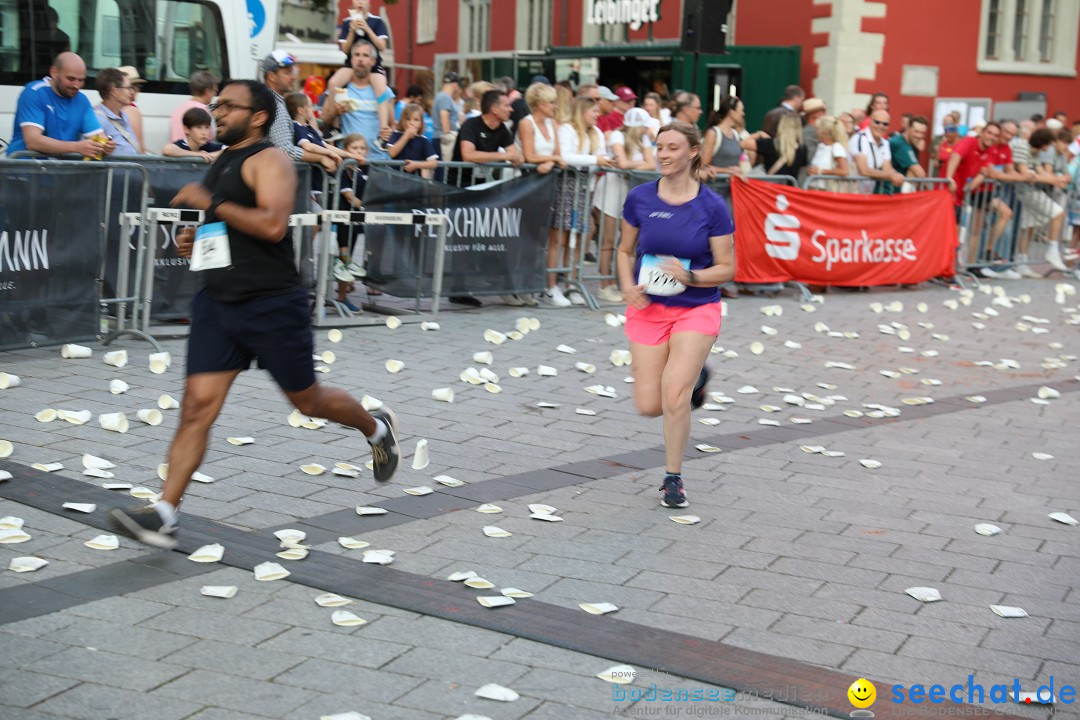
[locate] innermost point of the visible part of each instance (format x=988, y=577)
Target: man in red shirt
x=970, y=163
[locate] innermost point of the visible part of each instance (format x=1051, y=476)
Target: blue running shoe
x=674, y=497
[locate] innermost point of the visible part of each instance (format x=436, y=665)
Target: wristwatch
x=693, y=279
x=215, y=201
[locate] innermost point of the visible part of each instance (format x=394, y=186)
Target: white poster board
x=972, y=111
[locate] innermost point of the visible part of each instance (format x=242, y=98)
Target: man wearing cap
x=625, y=99
x=812, y=108
x=133, y=112
x=608, y=120
x=279, y=74
x=445, y=113
x=52, y=117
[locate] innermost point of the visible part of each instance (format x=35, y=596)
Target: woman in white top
x=539, y=140
x=831, y=156
x=631, y=149
x=581, y=145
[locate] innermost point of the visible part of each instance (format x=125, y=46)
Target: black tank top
x=259, y=268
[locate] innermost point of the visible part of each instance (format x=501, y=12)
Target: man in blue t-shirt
x=52, y=117
x=357, y=104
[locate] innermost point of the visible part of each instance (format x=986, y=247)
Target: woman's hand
x=636, y=298
x=674, y=268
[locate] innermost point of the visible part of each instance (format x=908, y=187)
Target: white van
x=165, y=40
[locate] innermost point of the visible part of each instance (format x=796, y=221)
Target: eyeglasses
x=227, y=106
x=879, y=123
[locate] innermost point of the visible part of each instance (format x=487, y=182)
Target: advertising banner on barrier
x=50, y=254
x=496, y=234
x=823, y=238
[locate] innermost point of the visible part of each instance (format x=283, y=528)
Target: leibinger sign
x=634, y=13
x=823, y=238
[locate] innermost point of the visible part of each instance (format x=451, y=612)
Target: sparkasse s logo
x=782, y=232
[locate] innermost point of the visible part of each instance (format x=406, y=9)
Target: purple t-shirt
x=679, y=230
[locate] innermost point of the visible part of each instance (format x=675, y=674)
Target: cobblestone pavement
x=798, y=555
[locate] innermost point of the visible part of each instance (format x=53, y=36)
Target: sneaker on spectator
x=1025, y=271
x=1053, y=257
x=356, y=270
x=575, y=297
x=349, y=304
x=341, y=273
x=528, y=299
x=1002, y=274
x=554, y=296
x=610, y=293
x=512, y=300
x=674, y=496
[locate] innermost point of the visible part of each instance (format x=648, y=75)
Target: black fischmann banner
x=51, y=246
x=496, y=234
x=174, y=284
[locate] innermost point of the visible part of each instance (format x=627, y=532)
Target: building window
x=1017, y=36
x=534, y=19
x=427, y=16
x=475, y=21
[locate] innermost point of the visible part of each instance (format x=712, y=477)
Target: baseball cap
x=812, y=105
x=450, y=77
x=1054, y=124
x=132, y=74
x=277, y=60
x=626, y=94
x=539, y=79
x=606, y=94
x=636, y=117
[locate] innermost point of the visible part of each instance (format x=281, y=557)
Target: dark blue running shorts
x=276, y=331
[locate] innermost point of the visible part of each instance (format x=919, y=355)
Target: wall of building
x=851, y=48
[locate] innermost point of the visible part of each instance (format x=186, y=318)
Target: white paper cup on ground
x=8, y=381
x=483, y=358
x=71, y=351
x=6, y=448
x=267, y=571
x=116, y=358
x=393, y=322
x=116, y=422
x=494, y=337
x=517, y=372
x=546, y=371
x=443, y=394
x=27, y=564
x=168, y=402
x=160, y=362
x=150, y=416
x=118, y=387
x=46, y=415
x=394, y=366
x=219, y=591
x=472, y=376
x=335, y=336
x=75, y=417
x=420, y=457
x=585, y=367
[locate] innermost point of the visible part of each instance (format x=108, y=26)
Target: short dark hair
x=1040, y=139
x=196, y=117
x=918, y=120
x=201, y=81
x=1037, y=118
x=413, y=91
x=108, y=80
x=793, y=91
x=262, y=100
x=1063, y=135
x=489, y=100
x=992, y=123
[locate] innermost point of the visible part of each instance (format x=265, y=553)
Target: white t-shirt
x=826, y=155
x=618, y=138
x=876, y=154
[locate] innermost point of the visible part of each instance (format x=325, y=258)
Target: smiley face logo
x=862, y=693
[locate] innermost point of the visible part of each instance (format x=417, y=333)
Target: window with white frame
x=534, y=19
x=427, y=15
x=475, y=26
x=1030, y=37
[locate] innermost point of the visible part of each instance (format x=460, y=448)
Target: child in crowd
x=196, y=142
x=353, y=179
x=409, y=144
x=361, y=24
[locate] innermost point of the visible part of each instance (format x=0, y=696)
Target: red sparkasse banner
x=822, y=238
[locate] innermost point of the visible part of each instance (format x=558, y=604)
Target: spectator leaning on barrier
x=1038, y=209
x=966, y=169
x=358, y=105
x=115, y=91
x=485, y=138
x=197, y=141
x=790, y=103
x=831, y=157
x=784, y=154
x=134, y=114
x=279, y=74
x=203, y=86
x=870, y=150
x=444, y=111
x=906, y=146
x=610, y=118
x=52, y=117
x=943, y=144
x=812, y=109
